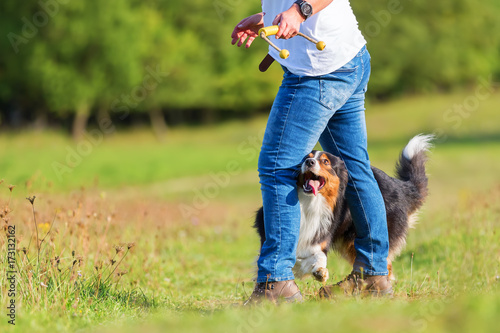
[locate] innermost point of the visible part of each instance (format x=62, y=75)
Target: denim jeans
x=328, y=109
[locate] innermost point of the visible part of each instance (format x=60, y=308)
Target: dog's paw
x=321, y=274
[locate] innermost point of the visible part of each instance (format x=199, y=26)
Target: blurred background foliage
x=67, y=62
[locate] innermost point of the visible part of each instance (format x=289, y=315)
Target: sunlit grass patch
x=191, y=272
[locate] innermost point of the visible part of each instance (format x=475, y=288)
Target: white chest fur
x=316, y=216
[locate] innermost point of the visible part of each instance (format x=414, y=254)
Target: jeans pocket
x=337, y=87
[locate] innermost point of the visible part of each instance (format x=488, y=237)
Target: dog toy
x=284, y=53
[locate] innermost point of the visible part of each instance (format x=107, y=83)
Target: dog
x=326, y=223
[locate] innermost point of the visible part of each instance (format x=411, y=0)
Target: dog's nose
x=310, y=162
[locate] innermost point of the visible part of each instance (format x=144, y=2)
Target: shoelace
x=352, y=276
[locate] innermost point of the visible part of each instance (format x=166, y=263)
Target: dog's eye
x=326, y=162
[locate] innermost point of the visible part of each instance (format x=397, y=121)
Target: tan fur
x=332, y=182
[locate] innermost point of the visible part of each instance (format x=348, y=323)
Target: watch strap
x=300, y=3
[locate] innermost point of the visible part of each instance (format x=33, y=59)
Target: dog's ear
x=337, y=165
x=340, y=166
x=341, y=169
x=334, y=160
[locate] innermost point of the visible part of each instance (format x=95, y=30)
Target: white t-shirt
x=336, y=25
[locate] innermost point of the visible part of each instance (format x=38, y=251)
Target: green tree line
x=71, y=60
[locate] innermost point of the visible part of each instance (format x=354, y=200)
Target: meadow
x=135, y=234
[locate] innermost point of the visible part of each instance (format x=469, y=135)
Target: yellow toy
x=272, y=30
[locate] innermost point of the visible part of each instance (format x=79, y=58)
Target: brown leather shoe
x=356, y=284
x=278, y=291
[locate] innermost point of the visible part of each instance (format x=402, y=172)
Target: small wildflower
x=122, y=273
x=25, y=250
x=112, y=261
x=130, y=245
x=98, y=266
x=44, y=227
x=30, y=199
x=118, y=249
x=11, y=187
x=4, y=212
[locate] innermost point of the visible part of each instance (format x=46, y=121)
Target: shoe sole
x=296, y=298
x=327, y=294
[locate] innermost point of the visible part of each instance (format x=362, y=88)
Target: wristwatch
x=305, y=8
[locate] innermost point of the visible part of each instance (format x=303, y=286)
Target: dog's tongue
x=313, y=185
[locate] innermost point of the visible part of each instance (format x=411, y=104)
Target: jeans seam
x=363, y=74
x=364, y=212
x=275, y=182
x=357, y=193
x=362, y=51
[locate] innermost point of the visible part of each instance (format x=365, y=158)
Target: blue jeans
x=328, y=109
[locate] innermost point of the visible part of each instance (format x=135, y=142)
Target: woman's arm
x=289, y=22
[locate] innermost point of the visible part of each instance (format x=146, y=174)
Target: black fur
x=403, y=196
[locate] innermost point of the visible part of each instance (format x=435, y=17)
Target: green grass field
x=146, y=236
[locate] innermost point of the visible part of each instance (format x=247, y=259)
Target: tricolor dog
x=326, y=222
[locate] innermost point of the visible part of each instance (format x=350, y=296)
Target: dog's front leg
x=311, y=261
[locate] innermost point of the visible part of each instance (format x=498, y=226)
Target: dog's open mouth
x=313, y=183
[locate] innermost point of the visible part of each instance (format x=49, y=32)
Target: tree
x=82, y=56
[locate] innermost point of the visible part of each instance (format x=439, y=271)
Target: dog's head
x=323, y=174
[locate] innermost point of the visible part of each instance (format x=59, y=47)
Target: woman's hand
x=248, y=28
x=289, y=22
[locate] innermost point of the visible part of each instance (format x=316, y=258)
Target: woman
x=321, y=99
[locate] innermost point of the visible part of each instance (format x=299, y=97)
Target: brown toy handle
x=319, y=45
x=283, y=53
x=266, y=62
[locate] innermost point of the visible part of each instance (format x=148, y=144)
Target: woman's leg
x=295, y=123
x=300, y=113
x=345, y=136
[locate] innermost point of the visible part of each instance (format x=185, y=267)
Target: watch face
x=306, y=9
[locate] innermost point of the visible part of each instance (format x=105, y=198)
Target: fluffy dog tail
x=411, y=165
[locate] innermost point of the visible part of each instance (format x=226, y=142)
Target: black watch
x=305, y=8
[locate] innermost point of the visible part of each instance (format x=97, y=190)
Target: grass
x=185, y=272
x=125, y=159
